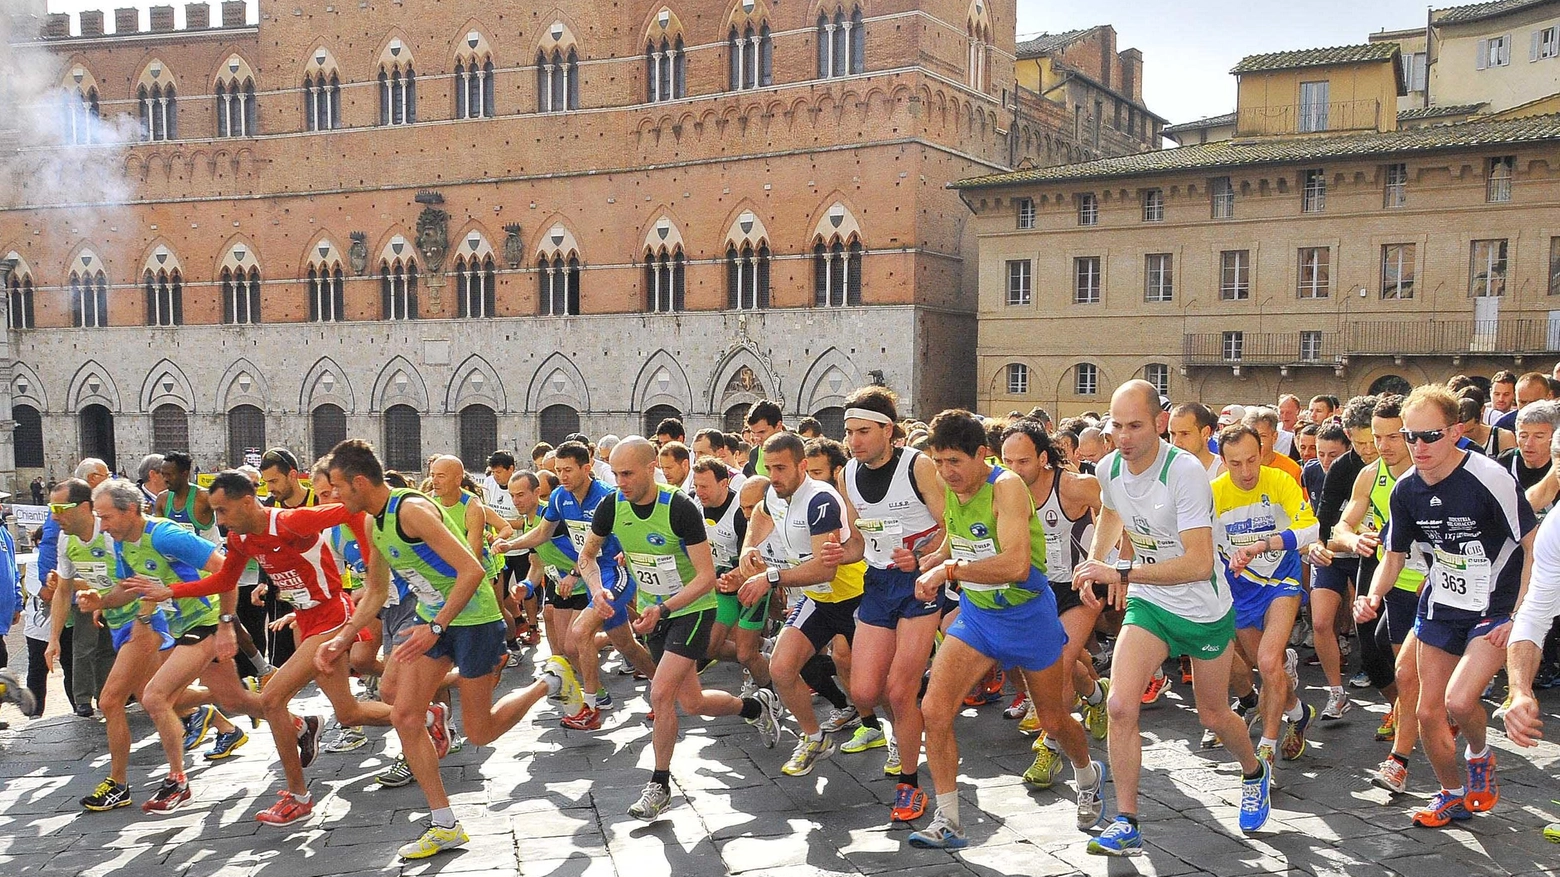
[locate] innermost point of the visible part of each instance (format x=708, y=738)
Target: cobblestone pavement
x=545, y=801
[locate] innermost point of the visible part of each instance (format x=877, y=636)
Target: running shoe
x=1292, y=670
x=1266, y=755
x=1019, y=707
x=1500, y=711
x=1338, y=703
x=1388, y=728
x=1360, y=680
x=1096, y=716
x=769, y=717
x=398, y=774
x=1030, y=723
x=1552, y=832
x=587, y=719
x=1120, y=838
x=909, y=803
x=226, y=744
x=197, y=725
x=1256, y=799
x=169, y=797
x=11, y=689
x=654, y=799
x=309, y=740
x=1293, y=744
x=1211, y=740
x=604, y=700
x=807, y=753
x=1091, y=799
x=1391, y=775
x=1483, y=784
x=568, y=691
x=1442, y=810
x=941, y=834
x=286, y=810
x=433, y=841
x=346, y=739
x=1043, y=772
x=1186, y=670
x=840, y=719
x=891, y=764
x=1156, y=686
x=865, y=738
x=109, y=795
x=989, y=690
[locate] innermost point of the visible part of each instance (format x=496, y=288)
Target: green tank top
x=557, y=563
x=97, y=566
x=143, y=559
x=456, y=514
x=1412, y=575
x=656, y=555
x=429, y=576
x=972, y=535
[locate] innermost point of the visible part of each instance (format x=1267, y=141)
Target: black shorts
x=518, y=565
x=1402, y=611
x=685, y=635
x=1068, y=599
x=822, y=622
x=576, y=601
x=1338, y=577
x=196, y=635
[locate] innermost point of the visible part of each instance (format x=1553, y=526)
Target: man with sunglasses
x=1475, y=527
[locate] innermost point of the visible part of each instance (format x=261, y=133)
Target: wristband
x=530, y=588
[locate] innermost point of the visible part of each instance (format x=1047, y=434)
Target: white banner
x=30, y=516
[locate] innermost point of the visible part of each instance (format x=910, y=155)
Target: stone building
x=460, y=225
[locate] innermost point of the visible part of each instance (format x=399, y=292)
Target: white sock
x=590, y=700
x=816, y=738
x=1052, y=744
x=1294, y=713
x=1335, y=689
x=1469, y=754
x=444, y=817
x=1268, y=741
x=1459, y=791
x=1097, y=695
x=1086, y=776
x=303, y=798
x=948, y=806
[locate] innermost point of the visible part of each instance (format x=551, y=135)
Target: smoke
x=53, y=151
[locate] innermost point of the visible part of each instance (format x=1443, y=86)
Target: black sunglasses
x=1428, y=436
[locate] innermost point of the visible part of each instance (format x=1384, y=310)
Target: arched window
x=557, y=81
x=246, y=432
x=1393, y=385
x=833, y=422
x=28, y=436
x=327, y=293
x=837, y=273
x=97, y=434
x=666, y=69
x=665, y=280
x=240, y=295
x=170, y=429
x=403, y=438
x=327, y=428
x=474, y=283
x=88, y=299
x=80, y=114
x=842, y=43
x=558, y=422
x=977, y=28
x=474, y=90
x=397, y=89
x=657, y=413
x=747, y=277
x=560, y=285
x=157, y=103
x=164, y=298
x=752, y=56
x=478, y=435
x=235, y=93
x=20, y=314
x=321, y=93
x=398, y=290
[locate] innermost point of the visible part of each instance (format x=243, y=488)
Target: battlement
x=127, y=21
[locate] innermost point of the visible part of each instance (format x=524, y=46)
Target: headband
x=864, y=414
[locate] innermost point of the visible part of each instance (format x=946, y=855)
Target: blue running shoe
x=1121, y=838
x=198, y=725
x=1256, y=800
x=941, y=834
x=603, y=700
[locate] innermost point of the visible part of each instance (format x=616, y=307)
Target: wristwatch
x=773, y=575
x=226, y=618
x=436, y=627
x=1124, y=569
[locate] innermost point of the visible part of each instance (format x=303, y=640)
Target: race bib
x=1460, y=581
x=578, y=530
x=882, y=537
x=96, y=576
x=1147, y=548
x=972, y=550
x=656, y=574
x=426, y=593
x=1264, y=564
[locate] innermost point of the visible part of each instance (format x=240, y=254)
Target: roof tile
x=1316, y=57
x=1477, y=11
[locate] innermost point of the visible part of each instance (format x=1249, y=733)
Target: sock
x=872, y=721
x=1400, y=759
x=913, y=778
x=1051, y=744
x=1130, y=817
x=1296, y=712
x=948, y=805
x=1253, y=776
x=1086, y=776
x=751, y=708
x=590, y=700
x=177, y=778
x=818, y=673
x=1469, y=754
x=662, y=778
x=1268, y=741
x=1249, y=699
x=1458, y=792
x=816, y=738
x=444, y=817
x=303, y=798
x=1097, y=695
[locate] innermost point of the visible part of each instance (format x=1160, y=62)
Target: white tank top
x=723, y=535
x=899, y=520
x=1066, y=540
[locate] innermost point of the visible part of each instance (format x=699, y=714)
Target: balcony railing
x=1505, y=337
x=1355, y=115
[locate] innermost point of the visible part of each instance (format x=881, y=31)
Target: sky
x=1188, y=46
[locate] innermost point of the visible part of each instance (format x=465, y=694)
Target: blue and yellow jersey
x=1277, y=504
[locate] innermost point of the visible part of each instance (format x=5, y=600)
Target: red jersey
x=295, y=551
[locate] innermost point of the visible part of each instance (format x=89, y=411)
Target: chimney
x=127, y=20
x=162, y=19
x=234, y=13
x=92, y=22
x=1132, y=74
x=56, y=25
x=197, y=16
x=1107, y=55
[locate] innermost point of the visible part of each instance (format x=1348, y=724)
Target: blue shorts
x=1402, y=608
x=1336, y=578
x=158, y=622
x=1028, y=636
x=476, y=649
x=889, y=595
x=621, y=600
x=1453, y=635
x=1252, y=602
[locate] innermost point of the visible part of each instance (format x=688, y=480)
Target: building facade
x=1312, y=259
x=442, y=225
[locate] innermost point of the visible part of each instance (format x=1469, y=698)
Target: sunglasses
x=60, y=508
x=1427, y=436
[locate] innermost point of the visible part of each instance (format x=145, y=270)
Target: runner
x=458, y=625
x=184, y=503
x=522, y=612
x=1160, y=498
x=661, y=533
x=1332, y=575
x=1264, y=421
x=1475, y=527
x=726, y=525
x=898, y=504
x=763, y=421
x=676, y=466
x=1534, y=619
x=994, y=551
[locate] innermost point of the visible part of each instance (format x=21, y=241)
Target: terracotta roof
x=1438, y=112
x=1237, y=153
x=1208, y=122
x=1316, y=57
x=1477, y=11
x=1046, y=43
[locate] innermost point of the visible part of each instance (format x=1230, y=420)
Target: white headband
x=864, y=414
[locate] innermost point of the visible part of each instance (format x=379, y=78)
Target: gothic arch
x=35, y=396
x=462, y=391
x=82, y=392
x=746, y=226
x=663, y=22
x=557, y=239
x=155, y=71
x=726, y=389
x=557, y=381
x=836, y=219
x=461, y=46
x=819, y=388
x=236, y=254
x=559, y=34
x=323, y=251
x=390, y=390
x=167, y=383
x=224, y=71
x=665, y=232
x=662, y=381
x=395, y=51
x=313, y=392
x=231, y=392
x=321, y=60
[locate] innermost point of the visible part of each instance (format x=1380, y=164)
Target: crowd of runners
x=872, y=586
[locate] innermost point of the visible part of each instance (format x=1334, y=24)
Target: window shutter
x=1533, y=53
x=1505, y=50
x=1481, y=60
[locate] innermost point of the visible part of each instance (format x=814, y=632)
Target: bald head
x=633, y=465
x=446, y=473
x=1137, y=421
x=633, y=451
x=1139, y=394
